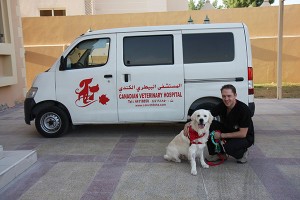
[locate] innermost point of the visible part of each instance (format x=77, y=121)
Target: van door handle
x=107, y=76
x=237, y=79
x=126, y=77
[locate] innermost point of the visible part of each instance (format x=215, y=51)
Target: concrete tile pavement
x=125, y=161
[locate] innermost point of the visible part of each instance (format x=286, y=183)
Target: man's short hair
x=229, y=86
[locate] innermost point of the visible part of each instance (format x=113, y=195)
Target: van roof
x=167, y=28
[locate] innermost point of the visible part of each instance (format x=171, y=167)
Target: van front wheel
x=52, y=122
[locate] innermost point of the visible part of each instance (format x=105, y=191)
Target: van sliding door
x=150, y=80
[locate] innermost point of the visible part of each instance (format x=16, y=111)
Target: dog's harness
x=193, y=135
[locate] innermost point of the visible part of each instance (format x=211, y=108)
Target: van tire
x=52, y=122
x=206, y=106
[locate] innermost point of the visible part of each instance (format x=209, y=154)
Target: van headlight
x=32, y=92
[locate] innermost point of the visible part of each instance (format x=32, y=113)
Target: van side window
x=208, y=47
x=89, y=53
x=148, y=50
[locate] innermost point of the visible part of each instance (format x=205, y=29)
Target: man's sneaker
x=244, y=158
x=214, y=158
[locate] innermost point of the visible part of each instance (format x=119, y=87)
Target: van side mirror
x=63, y=64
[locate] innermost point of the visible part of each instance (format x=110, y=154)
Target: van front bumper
x=29, y=103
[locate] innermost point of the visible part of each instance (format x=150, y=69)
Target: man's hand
x=217, y=135
x=186, y=129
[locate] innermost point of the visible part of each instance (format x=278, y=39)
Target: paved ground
x=125, y=161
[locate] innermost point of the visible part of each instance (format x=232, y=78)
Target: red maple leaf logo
x=103, y=99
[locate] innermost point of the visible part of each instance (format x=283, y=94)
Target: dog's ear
x=193, y=117
x=211, y=118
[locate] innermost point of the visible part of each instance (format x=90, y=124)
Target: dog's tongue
x=201, y=126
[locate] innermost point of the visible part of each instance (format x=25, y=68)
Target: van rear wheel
x=206, y=106
x=52, y=122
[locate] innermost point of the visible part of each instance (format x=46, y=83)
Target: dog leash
x=218, y=147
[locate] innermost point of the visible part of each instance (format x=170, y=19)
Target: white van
x=141, y=75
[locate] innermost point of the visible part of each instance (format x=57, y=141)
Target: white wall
x=178, y=5
x=128, y=6
x=31, y=8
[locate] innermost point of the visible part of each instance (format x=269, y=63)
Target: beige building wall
x=45, y=44
x=12, y=60
x=31, y=8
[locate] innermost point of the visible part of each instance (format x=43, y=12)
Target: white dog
x=192, y=146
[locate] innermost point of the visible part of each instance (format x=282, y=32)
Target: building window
x=59, y=12
x=52, y=12
x=88, y=7
x=4, y=23
x=1, y=38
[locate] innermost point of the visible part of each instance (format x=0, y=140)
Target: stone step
x=14, y=163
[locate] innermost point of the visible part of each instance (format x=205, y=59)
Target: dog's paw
x=194, y=172
x=166, y=157
x=206, y=166
x=177, y=160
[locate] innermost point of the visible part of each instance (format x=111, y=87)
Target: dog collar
x=193, y=135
